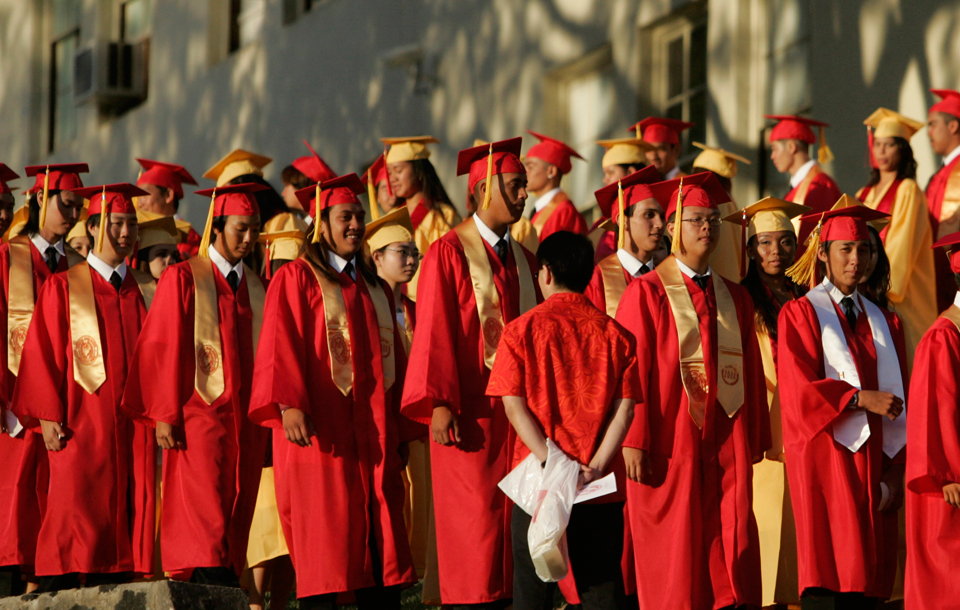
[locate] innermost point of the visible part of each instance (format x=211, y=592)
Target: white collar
x=672, y=173
x=544, y=201
x=798, y=177
x=338, y=262
x=838, y=296
x=631, y=264
x=43, y=244
x=105, y=270
x=690, y=273
x=953, y=155
x=308, y=220
x=956, y=300
x=487, y=233
x=223, y=264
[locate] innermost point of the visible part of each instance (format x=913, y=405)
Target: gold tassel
x=677, y=245
x=104, y=208
x=802, y=271
x=389, y=188
x=43, y=202
x=204, y=250
x=639, y=134
x=622, y=220
x=824, y=155
x=316, y=216
x=487, y=196
x=372, y=196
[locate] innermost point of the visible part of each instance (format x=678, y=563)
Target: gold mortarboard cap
x=156, y=229
x=389, y=228
x=624, y=151
x=284, y=235
x=889, y=124
x=408, y=149
x=765, y=216
x=718, y=160
x=238, y=163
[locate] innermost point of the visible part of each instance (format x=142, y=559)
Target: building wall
x=577, y=69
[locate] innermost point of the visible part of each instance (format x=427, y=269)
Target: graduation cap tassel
x=372, y=195
x=802, y=271
x=43, y=202
x=316, y=216
x=389, y=188
x=104, y=209
x=487, y=196
x=824, y=155
x=743, y=246
x=621, y=221
x=873, y=160
x=204, y=250
x=677, y=245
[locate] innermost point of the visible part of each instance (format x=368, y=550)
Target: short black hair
x=570, y=258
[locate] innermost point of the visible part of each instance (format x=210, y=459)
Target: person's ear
x=822, y=255
x=169, y=196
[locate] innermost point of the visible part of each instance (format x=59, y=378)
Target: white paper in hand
x=11, y=423
x=601, y=487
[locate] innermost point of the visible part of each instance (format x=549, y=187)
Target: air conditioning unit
x=113, y=73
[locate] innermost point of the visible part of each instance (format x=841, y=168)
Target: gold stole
x=485, y=290
x=338, y=331
x=614, y=284
x=773, y=396
x=407, y=334
x=805, y=184
x=540, y=218
x=89, y=370
x=209, y=381
x=729, y=351
x=20, y=299
x=950, y=206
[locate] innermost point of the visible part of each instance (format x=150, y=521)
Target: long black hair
x=430, y=184
x=877, y=285
x=907, y=167
x=317, y=254
x=765, y=309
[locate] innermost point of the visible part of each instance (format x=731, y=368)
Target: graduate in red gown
x=844, y=432
x=99, y=518
x=164, y=183
x=933, y=463
x=328, y=381
x=943, y=190
x=28, y=260
x=203, y=328
x=546, y=164
x=703, y=422
x=453, y=350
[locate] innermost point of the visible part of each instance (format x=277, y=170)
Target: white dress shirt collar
x=224, y=265
x=953, y=155
x=487, y=233
x=956, y=300
x=672, y=173
x=105, y=270
x=838, y=296
x=544, y=201
x=690, y=273
x=43, y=244
x=798, y=177
x=631, y=264
x=339, y=263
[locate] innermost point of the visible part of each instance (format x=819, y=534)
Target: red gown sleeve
x=39, y=392
x=934, y=431
x=636, y=314
x=812, y=403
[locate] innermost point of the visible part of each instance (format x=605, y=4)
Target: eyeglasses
x=714, y=222
x=405, y=253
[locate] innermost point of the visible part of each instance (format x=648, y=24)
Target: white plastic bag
x=547, y=494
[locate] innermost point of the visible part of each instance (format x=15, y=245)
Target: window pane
x=64, y=126
x=675, y=67
x=66, y=16
x=134, y=20
x=698, y=56
x=697, y=114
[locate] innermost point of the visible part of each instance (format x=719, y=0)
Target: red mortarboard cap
x=552, y=151
x=119, y=198
x=342, y=189
x=377, y=171
x=313, y=166
x=792, y=127
x=950, y=242
x=656, y=130
x=949, y=102
x=701, y=190
x=635, y=189
x=6, y=174
x=63, y=176
x=234, y=199
x=505, y=160
x=167, y=175
x=845, y=224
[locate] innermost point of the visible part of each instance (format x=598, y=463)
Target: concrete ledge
x=160, y=595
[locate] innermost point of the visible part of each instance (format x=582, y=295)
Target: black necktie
x=848, y=310
x=644, y=269
x=51, y=257
x=233, y=278
x=348, y=269
x=116, y=280
x=701, y=281
x=501, y=249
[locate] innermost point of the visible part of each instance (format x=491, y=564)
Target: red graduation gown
x=24, y=482
x=447, y=368
x=100, y=513
x=829, y=484
x=210, y=486
x=696, y=518
x=189, y=247
x=596, y=291
x=933, y=435
x=936, y=189
x=565, y=217
x=345, y=491
x=821, y=195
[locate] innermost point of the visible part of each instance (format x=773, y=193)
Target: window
x=64, y=41
x=679, y=71
x=134, y=20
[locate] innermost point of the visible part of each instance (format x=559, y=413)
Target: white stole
x=851, y=429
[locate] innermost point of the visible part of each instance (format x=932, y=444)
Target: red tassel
x=873, y=160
